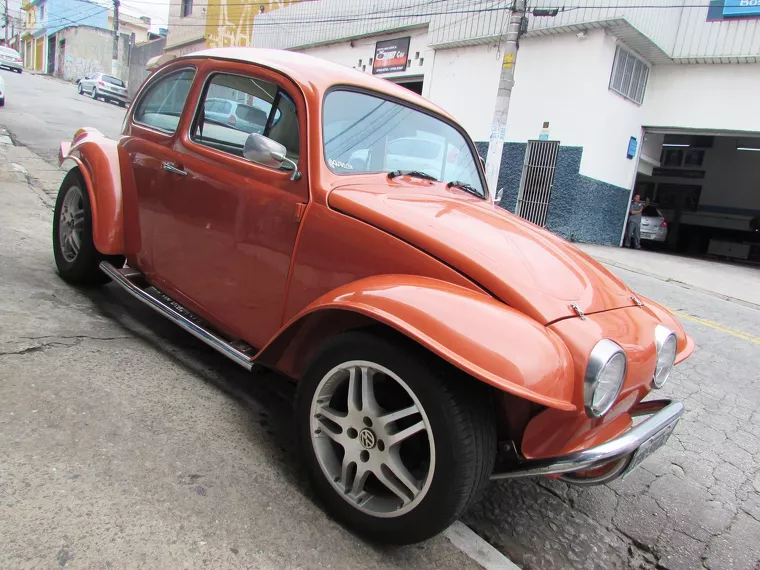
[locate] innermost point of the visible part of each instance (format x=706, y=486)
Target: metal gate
x=537, y=181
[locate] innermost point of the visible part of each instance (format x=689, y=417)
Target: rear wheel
x=2, y=101
x=397, y=443
x=79, y=90
x=94, y=93
x=75, y=255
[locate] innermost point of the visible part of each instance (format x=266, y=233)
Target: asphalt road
x=46, y=111
x=124, y=440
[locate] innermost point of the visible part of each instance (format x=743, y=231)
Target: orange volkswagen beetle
x=302, y=216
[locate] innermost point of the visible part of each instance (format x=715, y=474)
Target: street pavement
x=124, y=441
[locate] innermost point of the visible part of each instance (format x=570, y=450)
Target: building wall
x=458, y=71
x=185, y=30
x=230, y=22
x=565, y=81
x=364, y=49
x=87, y=50
x=703, y=97
x=138, y=57
x=64, y=13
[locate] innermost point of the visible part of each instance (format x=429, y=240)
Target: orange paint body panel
x=488, y=340
x=257, y=254
x=98, y=161
x=554, y=432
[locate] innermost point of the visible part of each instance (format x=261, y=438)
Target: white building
x=606, y=86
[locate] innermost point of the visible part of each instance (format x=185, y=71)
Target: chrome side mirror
x=499, y=194
x=265, y=151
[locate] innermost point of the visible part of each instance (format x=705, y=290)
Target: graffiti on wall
x=229, y=23
x=76, y=67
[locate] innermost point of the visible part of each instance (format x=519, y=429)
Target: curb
x=463, y=538
x=730, y=299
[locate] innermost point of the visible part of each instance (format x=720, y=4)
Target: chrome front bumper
x=663, y=414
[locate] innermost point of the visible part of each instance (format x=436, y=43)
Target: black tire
x=122, y=104
x=2, y=101
x=19, y=71
x=461, y=417
x=83, y=269
x=94, y=93
x=79, y=89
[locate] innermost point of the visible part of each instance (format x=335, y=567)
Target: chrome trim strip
x=665, y=412
x=197, y=331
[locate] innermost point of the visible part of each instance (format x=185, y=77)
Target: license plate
x=649, y=447
x=647, y=234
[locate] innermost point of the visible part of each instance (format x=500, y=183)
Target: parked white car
x=11, y=59
x=106, y=87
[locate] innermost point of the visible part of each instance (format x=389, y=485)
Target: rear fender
x=97, y=159
x=476, y=333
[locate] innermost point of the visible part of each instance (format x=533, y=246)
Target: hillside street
x=126, y=442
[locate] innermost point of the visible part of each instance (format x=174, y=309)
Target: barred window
x=629, y=75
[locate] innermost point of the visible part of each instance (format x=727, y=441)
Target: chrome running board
x=129, y=279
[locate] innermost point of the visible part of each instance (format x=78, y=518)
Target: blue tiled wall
x=581, y=208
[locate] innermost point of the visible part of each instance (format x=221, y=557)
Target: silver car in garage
x=654, y=226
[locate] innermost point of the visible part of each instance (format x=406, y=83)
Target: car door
x=227, y=245
x=148, y=161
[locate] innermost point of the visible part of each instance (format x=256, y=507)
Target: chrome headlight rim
x=663, y=335
x=601, y=355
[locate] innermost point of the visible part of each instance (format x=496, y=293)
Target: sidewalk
x=727, y=280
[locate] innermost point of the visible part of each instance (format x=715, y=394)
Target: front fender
x=97, y=158
x=476, y=333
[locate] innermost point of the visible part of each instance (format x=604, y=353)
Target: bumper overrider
x=612, y=459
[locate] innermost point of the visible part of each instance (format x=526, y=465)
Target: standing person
x=634, y=223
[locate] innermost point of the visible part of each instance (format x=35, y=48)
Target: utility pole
x=5, y=20
x=115, y=56
x=506, y=81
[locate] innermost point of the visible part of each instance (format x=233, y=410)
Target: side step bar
x=160, y=303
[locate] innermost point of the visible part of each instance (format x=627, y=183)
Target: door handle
x=169, y=167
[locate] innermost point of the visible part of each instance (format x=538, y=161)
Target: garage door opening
x=703, y=192
x=412, y=83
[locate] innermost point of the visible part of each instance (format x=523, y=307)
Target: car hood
x=525, y=266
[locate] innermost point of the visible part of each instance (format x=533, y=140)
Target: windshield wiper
x=466, y=187
x=416, y=173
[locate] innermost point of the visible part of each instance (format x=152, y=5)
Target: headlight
x=667, y=346
x=605, y=373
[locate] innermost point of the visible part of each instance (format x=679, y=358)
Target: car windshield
x=113, y=80
x=364, y=133
x=9, y=51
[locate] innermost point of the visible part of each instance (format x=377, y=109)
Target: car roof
x=319, y=73
x=6, y=48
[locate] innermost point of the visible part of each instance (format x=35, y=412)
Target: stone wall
x=581, y=208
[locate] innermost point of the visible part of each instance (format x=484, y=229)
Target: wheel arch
x=456, y=324
x=96, y=159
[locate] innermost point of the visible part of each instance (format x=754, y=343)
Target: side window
x=247, y=106
x=161, y=106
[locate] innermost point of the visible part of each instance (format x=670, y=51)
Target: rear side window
x=113, y=80
x=260, y=107
x=651, y=211
x=161, y=106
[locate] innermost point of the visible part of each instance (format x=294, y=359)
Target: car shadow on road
x=266, y=397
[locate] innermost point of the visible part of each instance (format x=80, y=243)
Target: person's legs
x=636, y=234
x=627, y=238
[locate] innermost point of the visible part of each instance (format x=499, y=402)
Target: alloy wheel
x=71, y=224
x=372, y=438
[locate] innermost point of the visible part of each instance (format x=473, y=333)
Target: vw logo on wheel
x=367, y=438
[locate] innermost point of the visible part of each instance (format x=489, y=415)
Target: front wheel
x=397, y=443
x=75, y=255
